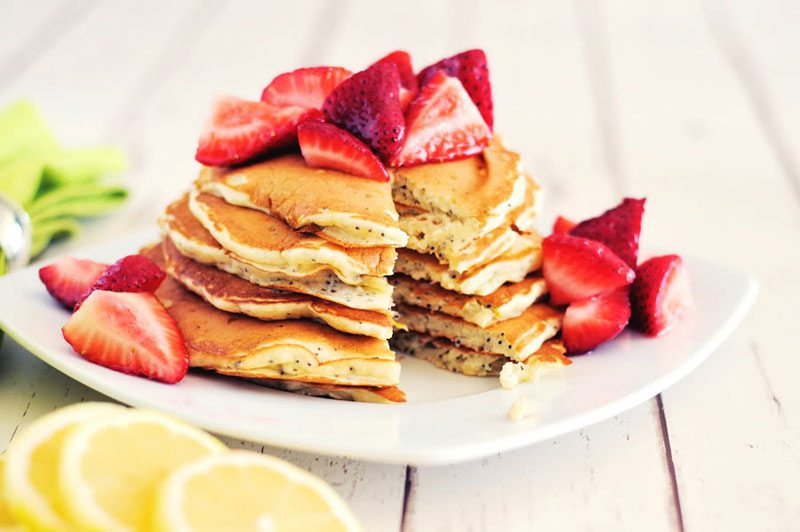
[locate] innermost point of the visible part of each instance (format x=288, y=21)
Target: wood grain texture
x=694, y=145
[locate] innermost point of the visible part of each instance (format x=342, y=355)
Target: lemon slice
x=248, y=491
x=30, y=475
x=110, y=467
x=7, y=521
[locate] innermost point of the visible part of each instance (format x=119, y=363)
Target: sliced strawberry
x=472, y=70
x=327, y=146
x=590, y=322
x=402, y=60
x=69, y=278
x=239, y=130
x=134, y=273
x=578, y=268
x=304, y=87
x=562, y=226
x=617, y=228
x=443, y=124
x=660, y=295
x=129, y=332
x=406, y=97
x=368, y=105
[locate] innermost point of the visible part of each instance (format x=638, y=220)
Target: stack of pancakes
x=466, y=286
x=278, y=273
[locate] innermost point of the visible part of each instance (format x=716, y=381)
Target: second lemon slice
x=268, y=494
x=110, y=467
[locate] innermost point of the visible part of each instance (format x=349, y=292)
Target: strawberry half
x=131, y=333
x=472, y=69
x=327, y=146
x=578, y=268
x=368, y=105
x=402, y=60
x=562, y=226
x=69, y=278
x=304, y=87
x=443, y=124
x=134, y=273
x=617, y=228
x=590, y=322
x=240, y=130
x=660, y=295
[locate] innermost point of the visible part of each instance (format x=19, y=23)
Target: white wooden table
x=693, y=104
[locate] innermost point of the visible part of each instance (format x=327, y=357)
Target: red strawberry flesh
x=661, y=295
x=241, y=130
x=562, y=226
x=578, y=268
x=134, y=273
x=304, y=87
x=402, y=60
x=69, y=278
x=472, y=69
x=368, y=105
x=326, y=146
x=129, y=332
x=590, y=322
x=443, y=124
x=617, y=228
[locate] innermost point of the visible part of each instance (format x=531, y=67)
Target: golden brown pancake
x=296, y=350
x=459, y=243
x=480, y=190
x=268, y=242
x=193, y=241
x=361, y=394
x=515, y=264
x=345, y=209
x=232, y=294
x=516, y=338
x=445, y=354
x=508, y=301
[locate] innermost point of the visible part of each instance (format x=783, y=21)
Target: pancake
x=296, y=350
x=514, y=265
x=230, y=293
x=193, y=241
x=271, y=244
x=508, y=301
x=361, y=394
x=345, y=209
x=457, y=242
x=445, y=354
x=480, y=191
x=516, y=338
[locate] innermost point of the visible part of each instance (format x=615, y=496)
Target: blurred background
x=692, y=103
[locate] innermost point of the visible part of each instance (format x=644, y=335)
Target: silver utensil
x=15, y=234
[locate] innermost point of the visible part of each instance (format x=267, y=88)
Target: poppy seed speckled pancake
x=480, y=190
x=445, y=354
x=227, y=292
x=180, y=226
x=516, y=338
x=515, y=264
x=300, y=350
x=456, y=242
x=268, y=242
x=508, y=301
x=345, y=209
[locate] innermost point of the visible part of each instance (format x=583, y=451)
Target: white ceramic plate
x=449, y=418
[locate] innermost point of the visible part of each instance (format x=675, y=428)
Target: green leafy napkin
x=56, y=186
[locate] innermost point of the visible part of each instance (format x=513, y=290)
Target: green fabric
x=56, y=186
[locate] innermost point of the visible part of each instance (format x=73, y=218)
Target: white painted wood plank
x=693, y=145
x=29, y=29
x=82, y=82
x=609, y=476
